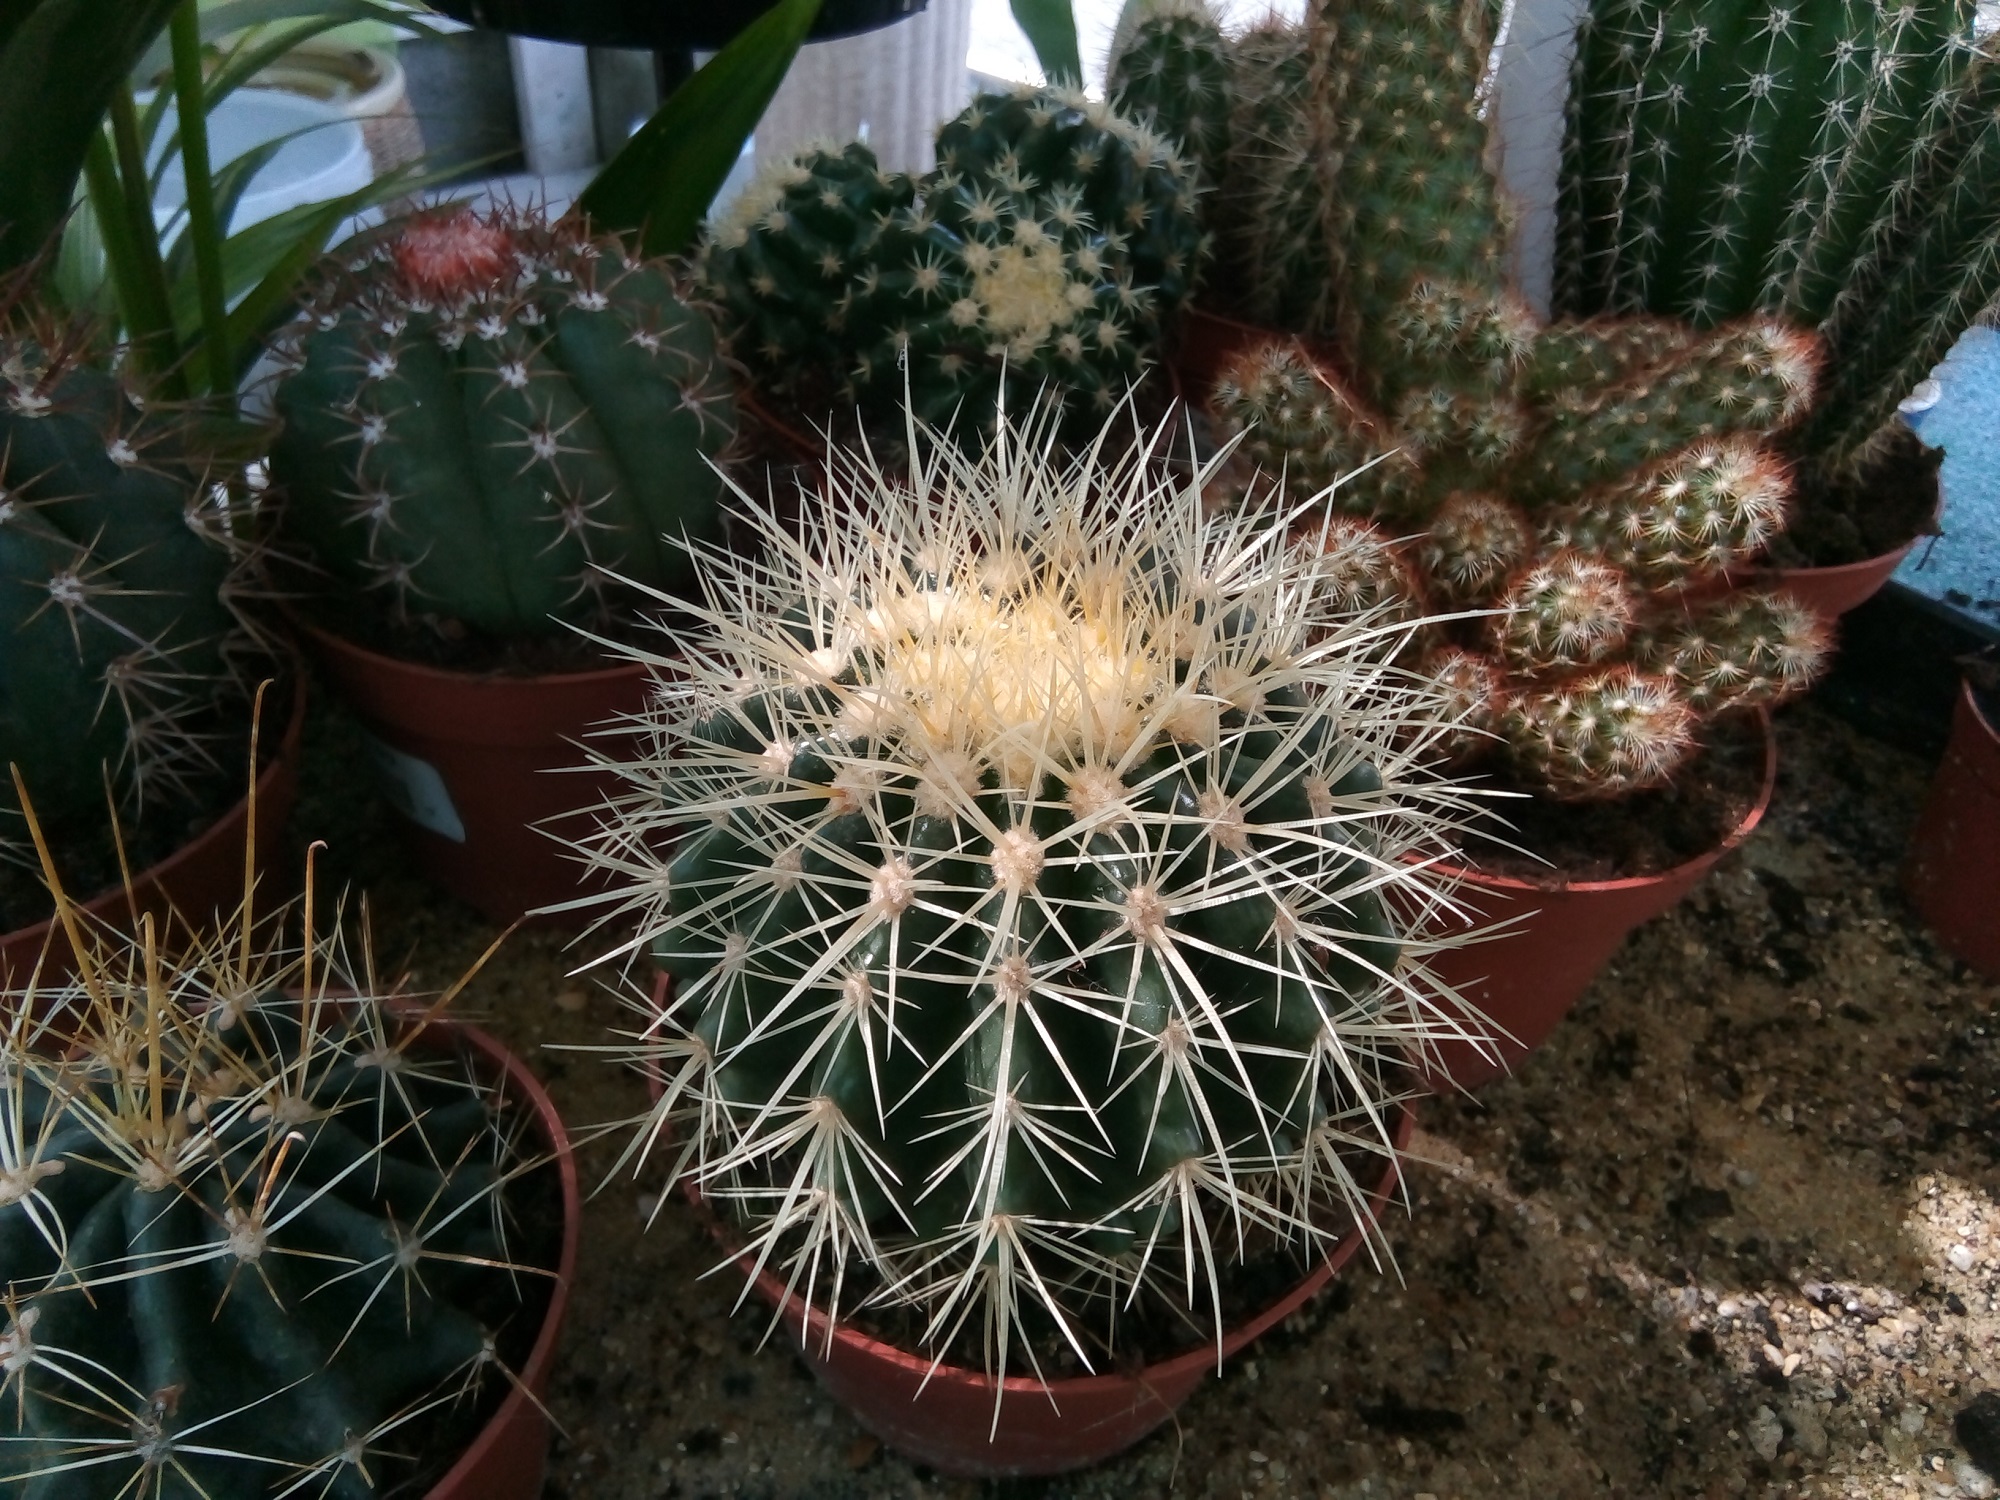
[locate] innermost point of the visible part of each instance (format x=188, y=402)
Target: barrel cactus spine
x=124, y=562
x=1034, y=917
x=487, y=416
x=254, y=1223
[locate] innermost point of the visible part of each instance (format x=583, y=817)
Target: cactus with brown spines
x=1298, y=419
x=1741, y=650
x=1599, y=734
x=489, y=417
x=1474, y=544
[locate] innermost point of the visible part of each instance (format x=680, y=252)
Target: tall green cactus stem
x=785, y=267
x=1832, y=165
x=1754, y=377
x=1044, y=909
x=123, y=661
x=246, y=1240
x=1173, y=74
x=1600, y=734
x=1567, y=610
x=1712, y=506
x=1474, y=544
x=1742, y=650
x=485, y=418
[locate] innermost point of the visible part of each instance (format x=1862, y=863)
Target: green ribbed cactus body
x=784, y=266
x=115, y=560
x=484, y=419
x=1173, y=74
x=1298, y=420
x=246, y=1272
x=1597, y=352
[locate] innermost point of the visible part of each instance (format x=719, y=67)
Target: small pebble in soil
x=1977, y=1427
x=1960, y=1257
x=1766, y=1432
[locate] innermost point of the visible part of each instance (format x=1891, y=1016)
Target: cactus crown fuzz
x=1034, y=942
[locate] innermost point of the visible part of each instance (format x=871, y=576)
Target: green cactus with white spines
x=486, y=418
x=124, y=662
x=254, y=1238
x=1298, y=419
x=1601, y=733
x=1475, y=543
x=784, y=264
x=1041, y=895
x=1600, y=352
x=1836, y=166
x=1048, y=248
x=1173, y=74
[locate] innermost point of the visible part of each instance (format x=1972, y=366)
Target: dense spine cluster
x=1837, y=166
x=123, y=660
x=1048, y=248
x=254, y=1236
x=1043, y=896
x=486, y=418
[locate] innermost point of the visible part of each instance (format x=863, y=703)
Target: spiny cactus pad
x=486, y=417
x=123, y=656
x=250, y=1243
x=1044, y=903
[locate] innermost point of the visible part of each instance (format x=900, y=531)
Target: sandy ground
x=1733, y=1232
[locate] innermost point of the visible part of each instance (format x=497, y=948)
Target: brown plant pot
x=1522, y=982
x=509, y=1458
x=200, y=878
x=944, y=1415
x=1953, y=872
x=481, y=769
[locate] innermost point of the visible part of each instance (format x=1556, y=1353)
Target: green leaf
x=662, y=182
x=1051, y=29
x=228, y=19
x=60, y=61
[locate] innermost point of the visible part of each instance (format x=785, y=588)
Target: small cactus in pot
x=257, y=1223
x=126, y=664
x=1045, y=915
x=486, y=417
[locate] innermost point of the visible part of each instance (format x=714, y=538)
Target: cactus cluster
x=1040, y=917
x=1589, y=480
x=1046, y=249
x=1837, y=166
x=124, y=662
x=487, y=417
x=254, y=1225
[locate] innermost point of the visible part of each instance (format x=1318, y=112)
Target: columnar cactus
x=125, y=662
x=1042, y=895
x=251, y=1242
x=486, y=417
x=1836, y=166
x=1173, y=74
x=1048, y=248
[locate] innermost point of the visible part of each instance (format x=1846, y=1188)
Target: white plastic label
x=416, y=790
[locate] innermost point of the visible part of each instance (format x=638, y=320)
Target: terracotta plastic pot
x=479, y=767
x=200, y=878
x=509, y=1458
x=1830, y=592
x=1562, y=932
x=1953, y=873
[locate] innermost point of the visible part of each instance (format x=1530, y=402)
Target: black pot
x=663, y=25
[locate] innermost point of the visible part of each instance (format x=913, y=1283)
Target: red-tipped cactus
x=1567, y=610
x=1741, y=650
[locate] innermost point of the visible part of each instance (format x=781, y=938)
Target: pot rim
x=1745, y=826
x=395, y=665
x=104, y=903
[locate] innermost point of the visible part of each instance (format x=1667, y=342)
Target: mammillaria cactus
x=254, y=1231
x=1045, y=896
x=1838, y=167
x=485, y=416
x=125, y=662
x=1047, y=248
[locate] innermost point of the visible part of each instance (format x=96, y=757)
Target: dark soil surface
x=1734, y=1232
x=1893, y=502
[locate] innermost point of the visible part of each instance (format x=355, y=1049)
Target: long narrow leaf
x=235, y=16
x=662, y=182
x=204, y=228
x=1051, y=29
x=60, y=64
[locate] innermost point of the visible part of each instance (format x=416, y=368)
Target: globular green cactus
x=1473, y=694
x=487, y=417
x=1042, y=896
x=786, y=265
x=1838, y=166
x=1048, y=248
x=125, y=662
x=1567, y=610
x=1173, y=74
x=252, y=1242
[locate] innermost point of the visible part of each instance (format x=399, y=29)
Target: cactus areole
x=487, y=417
x=1043, y=936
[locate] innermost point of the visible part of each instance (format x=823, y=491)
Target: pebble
x=1808, y=1431
x=1973, y=1481
x=1766, y=1432
x=571, y=1000
x=1960, y=1257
